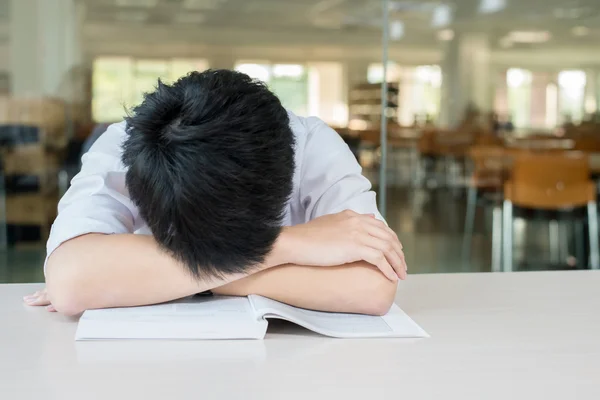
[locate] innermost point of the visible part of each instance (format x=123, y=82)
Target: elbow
x=377, y=293
x=66, y=298
x=67, y=302
x=66, y=289
x=68, y=306
x=380, y=302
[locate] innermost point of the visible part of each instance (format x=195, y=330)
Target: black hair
x=210, y=163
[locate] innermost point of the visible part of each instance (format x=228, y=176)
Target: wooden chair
x=541, y=143
x=555, y=181
x=488, y=139
x=490, y=168
x=451, y=147
x=587, y=143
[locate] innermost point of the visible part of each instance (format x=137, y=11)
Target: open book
x=223, y=317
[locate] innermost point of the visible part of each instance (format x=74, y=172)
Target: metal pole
x=384, y=102
x=3, y=224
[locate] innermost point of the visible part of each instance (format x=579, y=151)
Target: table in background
x=532, y=335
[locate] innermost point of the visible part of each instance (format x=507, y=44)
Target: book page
x=190, y=318
x=394, y=324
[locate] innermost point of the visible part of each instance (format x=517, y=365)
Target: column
x=44, y=45
x=467, y=77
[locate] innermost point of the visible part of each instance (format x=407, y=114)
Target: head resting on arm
x=210, y=163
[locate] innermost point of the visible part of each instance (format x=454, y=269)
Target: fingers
x=405, y=273
x=381, y=243
x=39, y=298
x=385, y=233
x=380, y=230
x=51, y=308
x=392, y=256
x=375, y=223
x=378, y=259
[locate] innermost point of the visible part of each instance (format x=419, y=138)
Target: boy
x=211, y=184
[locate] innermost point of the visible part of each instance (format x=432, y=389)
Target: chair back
x=541, y=143
x=370, y=136
x=491, y=165
x=550, y=180
x=454, y=143
x=426, y=142
x=488, y=139
x=588, y=143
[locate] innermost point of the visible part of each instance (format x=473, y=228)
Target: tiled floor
x=429, y=223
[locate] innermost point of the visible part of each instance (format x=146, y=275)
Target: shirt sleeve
x=97, y=201
x=331, y=178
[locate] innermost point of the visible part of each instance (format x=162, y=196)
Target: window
x=375, y=72
x=518, y=83
x=551, y=106
x=288, y=81
x=571, y=95
x=120, y=82
x=326, y=93
x=313, y=89
x=427, y=90
x=420, y=90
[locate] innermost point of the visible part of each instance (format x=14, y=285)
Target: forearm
x=99, y=271
x=354, y=288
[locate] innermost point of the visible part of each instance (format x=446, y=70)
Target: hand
x=39, y=299
x=344, y=238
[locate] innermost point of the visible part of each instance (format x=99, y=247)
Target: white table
x=529, y=335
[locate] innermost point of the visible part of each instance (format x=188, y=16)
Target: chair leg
x=507, y=241
x=554, y=241
x=593, y=224
x=496, y=239
x=564, y=238
x=469, y=222
x=579, y=242
x=3, y=226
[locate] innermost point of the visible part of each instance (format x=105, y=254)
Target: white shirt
x=327, y=180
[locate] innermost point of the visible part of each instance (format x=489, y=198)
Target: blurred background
x=476, y=120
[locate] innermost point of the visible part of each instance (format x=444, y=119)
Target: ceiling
x=4, y=10
x=417, y=22
x=240, y=13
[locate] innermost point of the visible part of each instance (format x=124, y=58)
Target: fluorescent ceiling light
x=445, y=35
x=491, y=6
x=529, y=36
x=442, y=16
x=396, y=30
x=580, y=31
x=137, y=3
